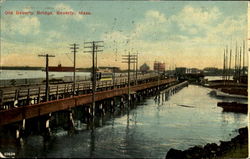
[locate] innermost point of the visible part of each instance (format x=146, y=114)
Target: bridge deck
x=10, y=94
x=25, y=112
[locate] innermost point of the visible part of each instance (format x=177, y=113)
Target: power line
x=93, y=46
x=74, y=49
x=129, y=59
x=47, y=75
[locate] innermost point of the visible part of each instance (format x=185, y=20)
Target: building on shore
x=159, y=66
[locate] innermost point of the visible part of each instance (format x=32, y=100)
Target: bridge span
x=25, y=112
x=33, y=110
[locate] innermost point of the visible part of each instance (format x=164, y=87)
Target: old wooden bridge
x=19, y=103
x=26, y=108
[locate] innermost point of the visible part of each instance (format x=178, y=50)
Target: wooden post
x=39, y=96
x=64, y=91
x=47, y=74
x=57, y=95
x=78, y=88
x=1, y=98
x=28, y=97
x=67, y=88
x=48, y=99
x=16, y=91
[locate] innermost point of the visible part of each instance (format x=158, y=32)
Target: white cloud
x=232, y=25
x=156, y=15
x=54, y=36
x=154, y=22
x=208, y=31
x=198, y=18
x=114, y=36
x=22, y=25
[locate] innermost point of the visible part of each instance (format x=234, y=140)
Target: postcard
x=124, y=79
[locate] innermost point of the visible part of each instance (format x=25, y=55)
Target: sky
x=181, y=34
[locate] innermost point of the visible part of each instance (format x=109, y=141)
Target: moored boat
x=233, y=107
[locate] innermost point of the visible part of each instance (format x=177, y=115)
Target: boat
x=237, y=87
x=233, y=107
x=218, y=93
x=60, y=68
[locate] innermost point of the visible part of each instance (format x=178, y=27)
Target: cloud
x=154, y=24
x=115, y=36
x=23, y=25
x=192, y=20
x=192, y=33
x=231, y=26
x=193, y=37
x=156, y=15
x=54, y=36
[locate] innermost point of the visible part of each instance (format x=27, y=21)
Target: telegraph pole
x=134, y=71
x=74, y=49
x=47, y=75
x=158, y=81
x=129, y=59
x=136, y=68
x=113, y=77
x=94, y=45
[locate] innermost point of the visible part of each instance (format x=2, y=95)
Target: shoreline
x=237, y=146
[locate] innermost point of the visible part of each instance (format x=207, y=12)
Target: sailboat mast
x=240, y=64
x=223, y=73
x=235, y=66
x=227, y=63
x=244, y=49
x=230, y=63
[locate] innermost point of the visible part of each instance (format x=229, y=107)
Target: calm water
x=149, y=130
x=23, y=74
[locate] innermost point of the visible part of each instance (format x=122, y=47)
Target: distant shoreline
x=37, y=68
x=20, y=68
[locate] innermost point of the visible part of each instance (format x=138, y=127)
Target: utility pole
x=47, y=75
x=113, y=77
x=136, y=71
x=74, y=49
x=244, y=49
x=158, y=80
x=129, y=59
x=94, y=45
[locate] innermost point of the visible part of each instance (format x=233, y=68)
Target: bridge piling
x=112, y=105
x=71, y=120
x=47, y=130
x=122, y=103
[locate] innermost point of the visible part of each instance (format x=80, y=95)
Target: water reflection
x=150, y=129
